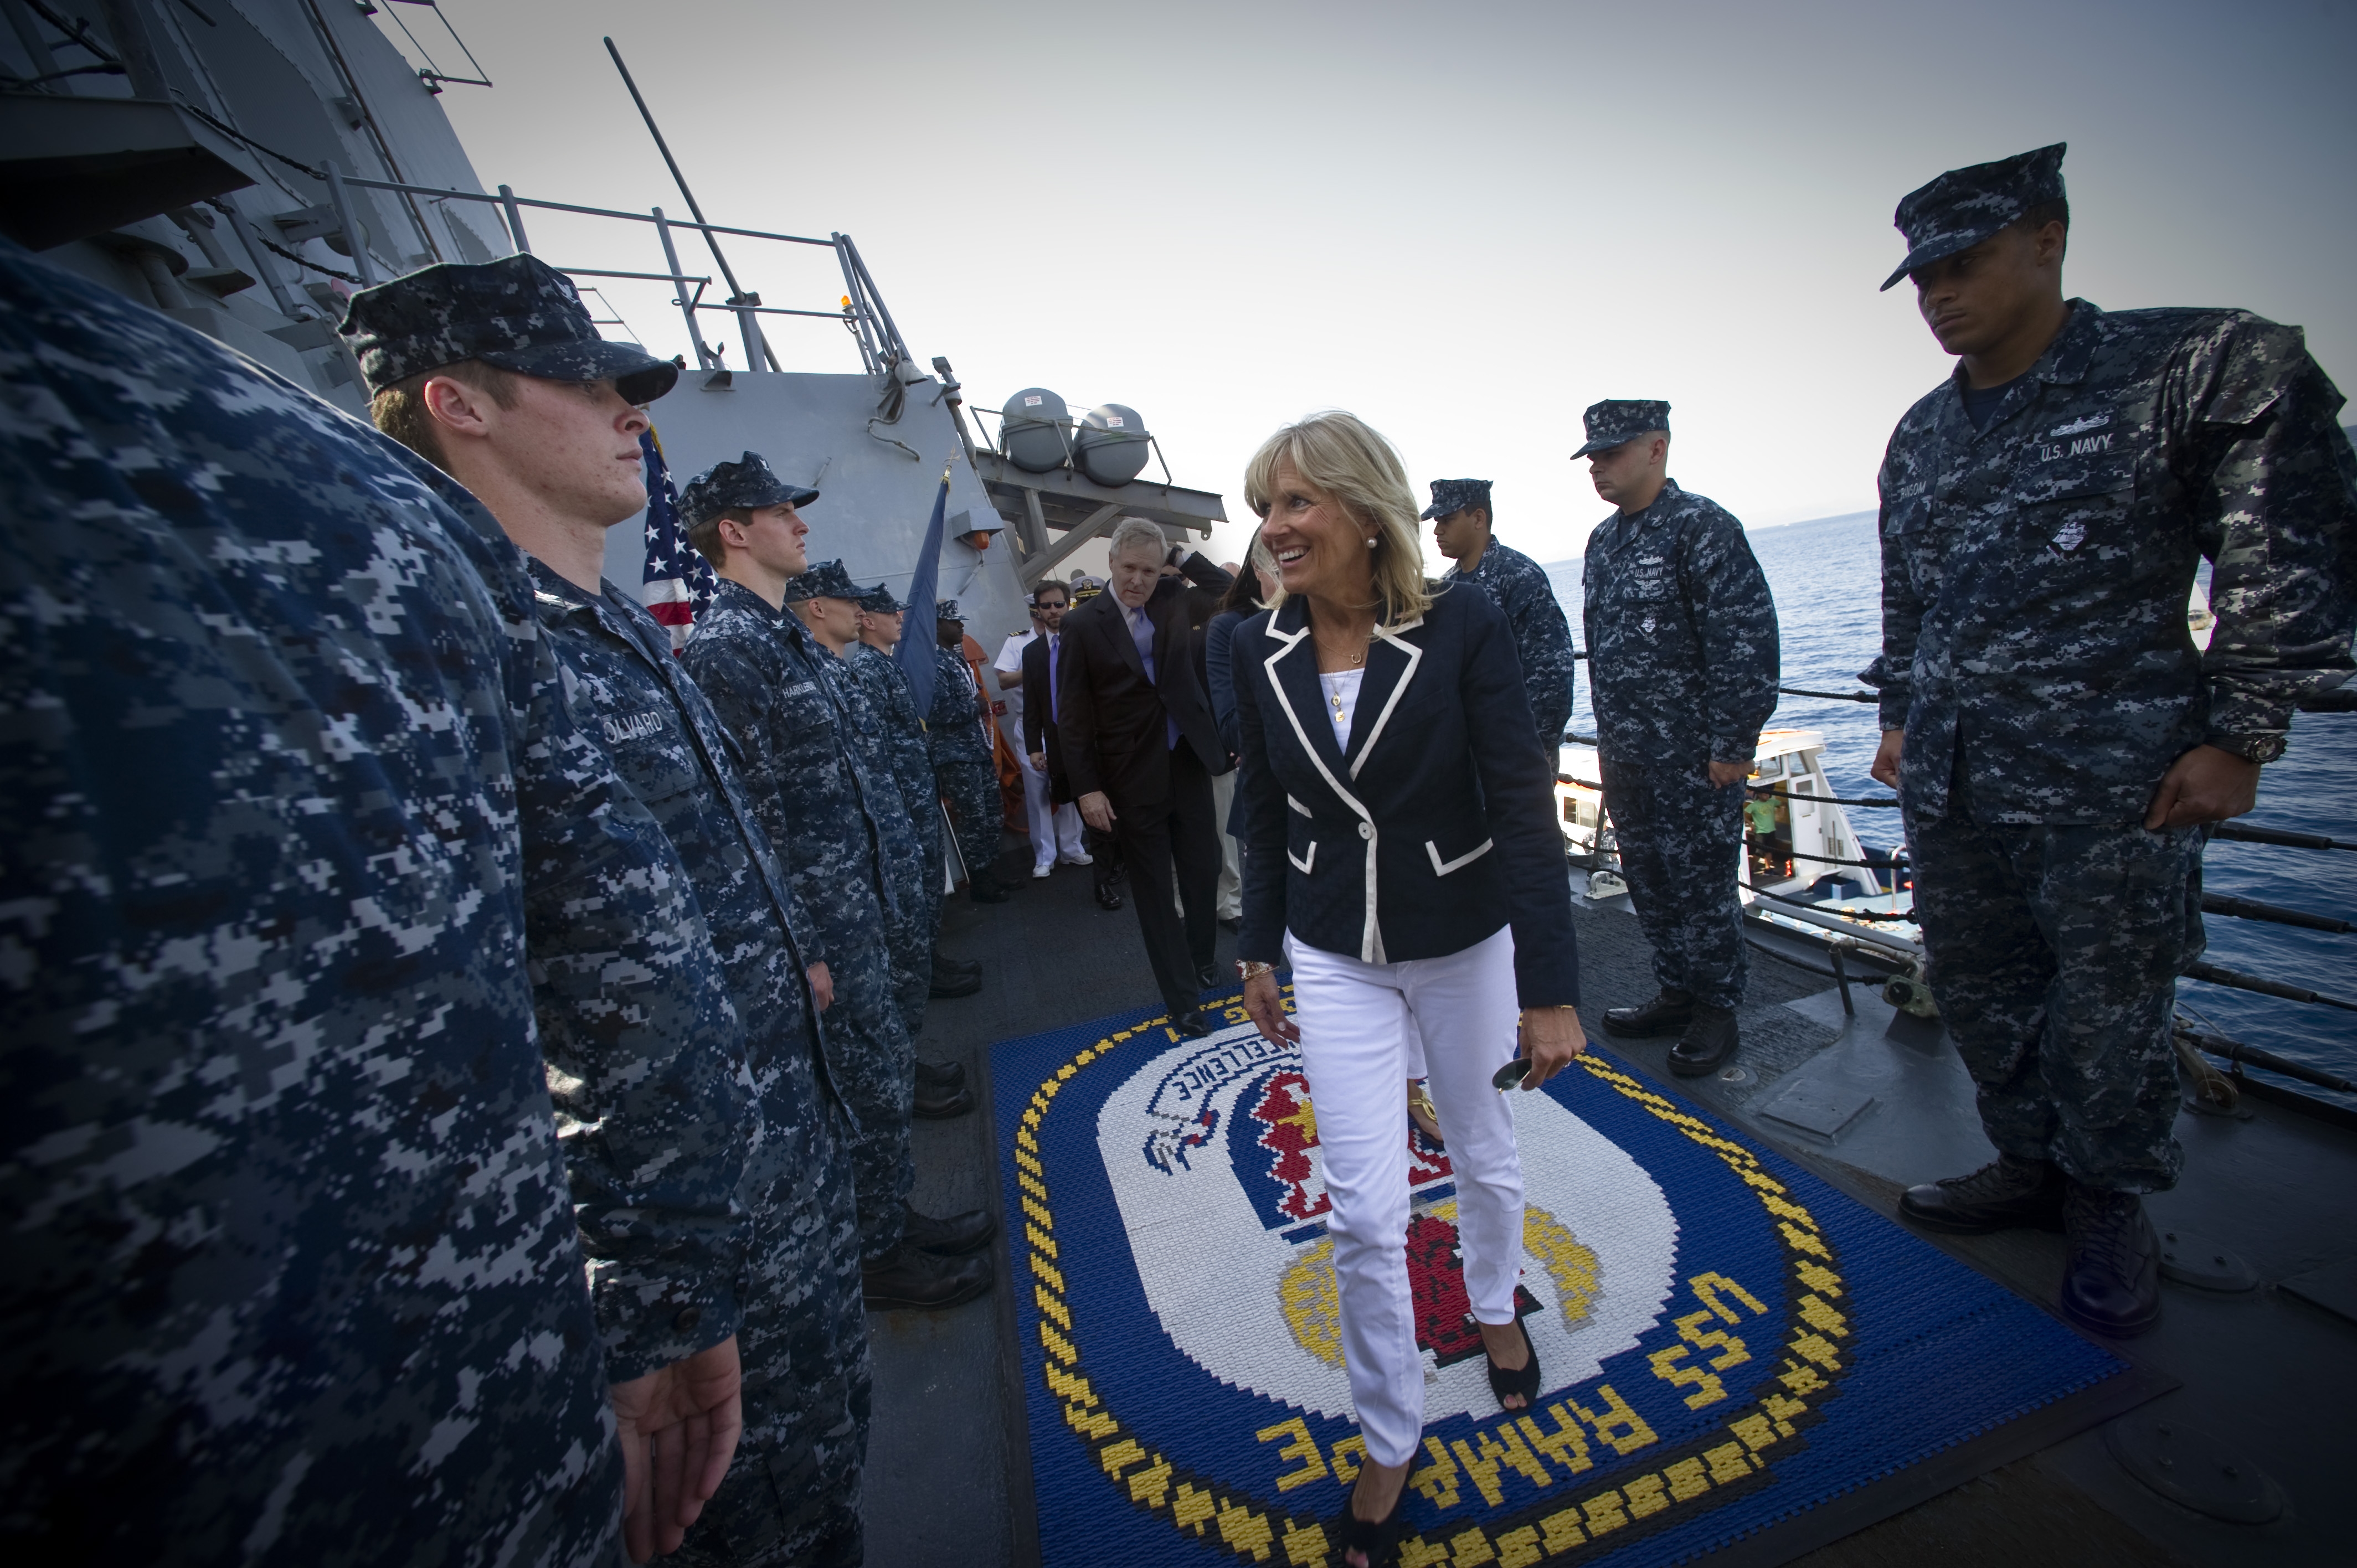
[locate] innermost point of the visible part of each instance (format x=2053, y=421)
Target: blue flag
x=918, y=637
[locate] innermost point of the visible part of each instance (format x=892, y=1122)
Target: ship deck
x=2268, y=1373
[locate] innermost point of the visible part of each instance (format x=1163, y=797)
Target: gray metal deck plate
x=2333, y=1288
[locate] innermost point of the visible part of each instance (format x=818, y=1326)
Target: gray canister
x=1033, y=432
x=1111, y=444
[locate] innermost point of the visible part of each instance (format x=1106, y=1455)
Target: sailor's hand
x=1550, y=1038
x=1885, y=770
x=2205, y=785
x=1096, y=810
x=679, y=1426
x=1722, y=774
x=821, y=985
x=1266, y=1009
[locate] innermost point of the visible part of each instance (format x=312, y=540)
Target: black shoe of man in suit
x=1193, y=1023
x=1108, y=895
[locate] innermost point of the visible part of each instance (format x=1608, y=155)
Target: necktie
x=1055, y=650
x=1141, y=631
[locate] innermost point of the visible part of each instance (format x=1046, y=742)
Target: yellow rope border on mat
x=1256, y=1531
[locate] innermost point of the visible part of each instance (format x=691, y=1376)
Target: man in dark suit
x=1138, y=747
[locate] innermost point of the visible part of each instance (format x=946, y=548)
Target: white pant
x=1356, y=1021
x=1230, y=905
x=1055, y=830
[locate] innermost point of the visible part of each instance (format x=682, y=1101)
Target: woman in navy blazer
x=1402, y=857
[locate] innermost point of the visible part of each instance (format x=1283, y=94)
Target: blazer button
x=1366, y=830
x=689, y=1316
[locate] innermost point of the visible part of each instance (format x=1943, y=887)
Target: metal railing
x=864, y=316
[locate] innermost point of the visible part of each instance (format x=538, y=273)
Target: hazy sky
x=1463, y=222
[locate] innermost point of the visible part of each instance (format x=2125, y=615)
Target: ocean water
x=1826, y=576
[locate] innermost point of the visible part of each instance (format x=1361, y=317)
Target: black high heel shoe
x=1378, y=1538
x=1522, y=1379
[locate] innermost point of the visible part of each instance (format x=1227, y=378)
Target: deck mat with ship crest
x=1727, y=1341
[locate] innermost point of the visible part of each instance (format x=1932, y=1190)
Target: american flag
x=679, y=581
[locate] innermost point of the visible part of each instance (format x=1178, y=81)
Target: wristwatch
x=1252, y=969
x=2250, y=747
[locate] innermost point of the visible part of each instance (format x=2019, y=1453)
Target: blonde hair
x=1342, y=455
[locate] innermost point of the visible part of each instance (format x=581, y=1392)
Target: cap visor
x=635, y=374
x=1937, y=251
x=1604, y=445
x=1430, y=512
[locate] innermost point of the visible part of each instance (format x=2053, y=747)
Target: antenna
x=756, y=345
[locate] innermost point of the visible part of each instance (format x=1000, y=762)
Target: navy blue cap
x=1966, y=206
x=881, y=602
x=747, y=482
x=947, y=610
x=826, y=580
x=1615, y=422
x=517, y=313
x=1449, y=496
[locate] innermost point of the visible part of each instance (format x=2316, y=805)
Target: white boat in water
x=1809, y=874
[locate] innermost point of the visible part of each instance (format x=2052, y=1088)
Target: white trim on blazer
x=1443, y=867
x=1370, y=936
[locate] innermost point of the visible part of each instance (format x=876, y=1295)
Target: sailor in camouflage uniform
x=294, y=1273
x=828, y=603
x=1681, y=661
x=959, y=729
x=782, y=695
x=1461, y=522
x=882, y=621
x=2056, y=738
x=538, y=461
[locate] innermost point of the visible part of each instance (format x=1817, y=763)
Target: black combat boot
x=949, y=982
x=1709, y=1039
x=943, y=1076
x=1666, y=1014
x=984, y=888
x=1997, y=1196
x=934, y=1103
x=2112, y=1284
x=952, y=1234
x=909, y=1277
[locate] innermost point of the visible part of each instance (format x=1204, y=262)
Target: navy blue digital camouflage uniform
x=880, y=679
x=909, y=921
x=626, y=1041
x=1682, y=663
x=963, y=768
x=2035, y=652
x=909, y=908
x=780, y=696
x=1519, y=586
x=793, y=1492
x=292, y=1271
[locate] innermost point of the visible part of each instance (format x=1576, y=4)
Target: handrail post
x=353, y=236
x=515, y=222
x=703, y=357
